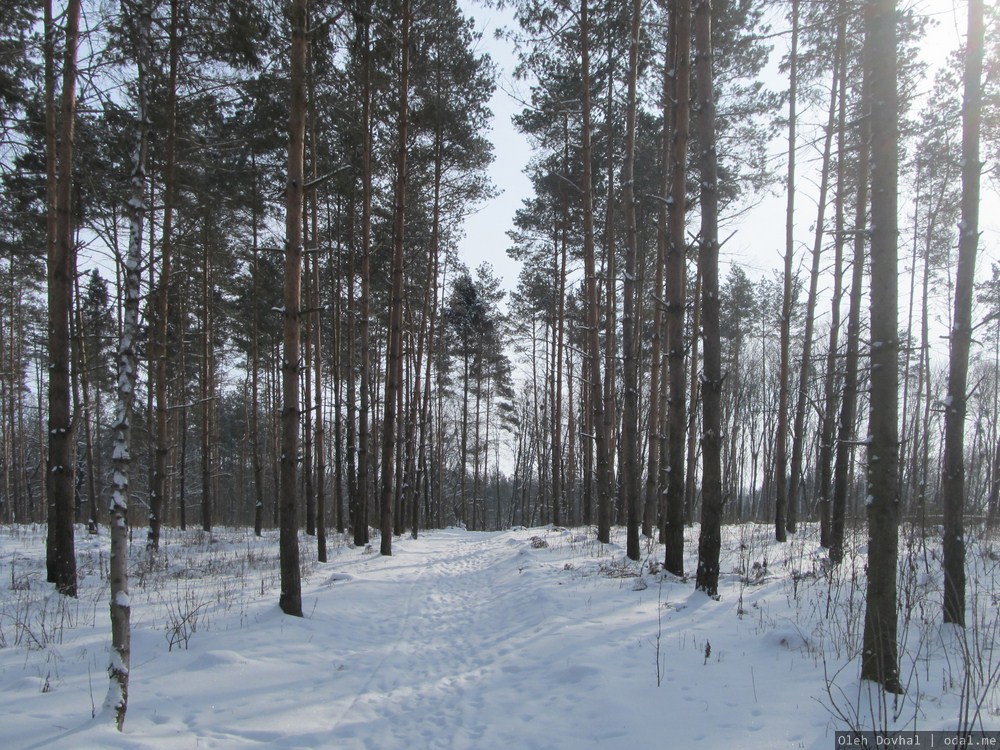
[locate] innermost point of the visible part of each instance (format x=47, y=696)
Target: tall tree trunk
x=676, y=272
x=308, y=320
x=207, y=385
x=572, y=506
x=81, y=395
x=557, y=348
x=601, y=436
x=464, y=447
x=805, y=364
x=784, y=375
x=710, y=540
x=394, y=348
x=258, y=474
x=694, y=396
x=953, y=478
x=630, y=416
x=291, y=585
x=431, y=311
x=827, y=429
x=319, y=444
x=879, y=660
x=61, y=554
x=336, y=282
x=118, y=669
x=587, y=433
x=182, y=428
x=354, y=500
x=161, y=326
x=655, y=489
x=361, y=536
x=849, y=399
x=611, y=421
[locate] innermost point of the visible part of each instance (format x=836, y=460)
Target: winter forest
x=285, y=464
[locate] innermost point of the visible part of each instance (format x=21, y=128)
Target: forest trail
x=477, y=656
x=529, y=638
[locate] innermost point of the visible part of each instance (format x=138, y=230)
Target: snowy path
x=474, y=657
x=458, y=641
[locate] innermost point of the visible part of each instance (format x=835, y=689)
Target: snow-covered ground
x=529, y=638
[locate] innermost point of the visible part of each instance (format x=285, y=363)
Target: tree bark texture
x=291, y=586
x=879, y=658
x=676, y=273
x=394, y=362
x=953, y=480
x=630, y=415
x=61, y=553
x=710, y=540
x=118, y=669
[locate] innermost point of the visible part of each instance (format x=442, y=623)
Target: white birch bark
x=118, y=669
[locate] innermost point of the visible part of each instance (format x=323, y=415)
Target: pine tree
x=879, y=659
x=291, y=587
x=953, y=485
x=60, y=550
x=710, y=539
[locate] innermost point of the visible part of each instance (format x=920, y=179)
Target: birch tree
x=118, y=670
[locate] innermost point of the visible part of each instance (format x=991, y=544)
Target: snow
x=475, y=640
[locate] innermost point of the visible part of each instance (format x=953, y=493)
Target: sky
x=486, y=230
x=757, y=244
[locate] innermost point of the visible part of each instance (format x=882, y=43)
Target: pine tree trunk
x=309, y=486
x=953, y=477
x=320, y=441
x=351, y=387
x=651, y=512
x=81, y=395
x=336, y=290
x=676, y=272
x=572, y=506
x=630, y=416
x=827, y=430
x=291, y=586
x=558, y=343
x=60, y=548
x=361, y=536
x=694, y=396
x=879, y=660
x=849, y=398
x=710, y=540
x=207, y=385
x=805, y=364
x=257, y=468
x=161, y=327
x=431, y=311
x=782, y=498
x=611, y=419
x=394, y=349
x=593, y=302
